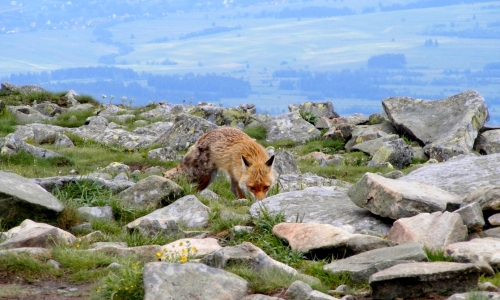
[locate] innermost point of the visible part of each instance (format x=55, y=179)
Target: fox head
x=257, y=177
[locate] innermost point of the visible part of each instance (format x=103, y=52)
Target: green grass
x=264, y=281
x=436, y=255
x=258, y=132
x=72, y=118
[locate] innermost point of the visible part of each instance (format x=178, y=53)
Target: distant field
x=267, y=44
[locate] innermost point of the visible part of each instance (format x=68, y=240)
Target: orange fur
x=247, y=163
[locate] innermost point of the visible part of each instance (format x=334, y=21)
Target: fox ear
x=245, y=164
x=270, y=161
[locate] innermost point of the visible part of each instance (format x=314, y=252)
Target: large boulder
x=187, y=129
x=187, y=210
x=435, y=230
x=459, y=175
x=325, y=240
x=446, y=127
x=420, y=279
x=191, y=281
x=290, y=126
x=151, y=191
x=488, y=142
x=248, y=254
x=22, y=198
x=361, y=266
x=395, y=199
x=325, y=205
x=33, y=234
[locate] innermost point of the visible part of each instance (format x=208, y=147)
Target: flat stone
x=435, y=230
x=397, y=199
x=324, y=205
x=420, y=279
x=460, y=175
x=362, y=266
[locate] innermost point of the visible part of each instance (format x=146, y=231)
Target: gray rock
x=324, y=240
x=420, y=279
x=163, y=154
x=33, y=251
x=97, y=212
x=395, y=152
x=9, y=88
x=27, y=115
x=32, y=234
x=187, y=129
x=446, y=127
x=488, y=142
x=191, y=281
x=485, y=249
x=13, y=144
x=370, y=147
x=22, y=198
x=419, y=153
x=396, y=199
x=248, y=254
x=494, y=220
x=298, y=290
x=475, y=295
x=340, y=131
x=98, y=121
x=324, y=205
x=461, y=175
x=296, y=182
x=364, y=133
x=151, y=191
x=113, y=137
x=154, y=227
x=144, y=253
x=435, y=230
x=488, y=197
x=362, y=266
x=47, y=108
x=51, y=183
x=290, y=126
x=472, y=216
x=260, y=297
x=492, y=232
x=156, y=129
x=185, y=246
x=284, y=163
x=318, y=109
x=188, y=211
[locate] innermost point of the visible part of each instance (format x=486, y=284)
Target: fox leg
x=237, y=191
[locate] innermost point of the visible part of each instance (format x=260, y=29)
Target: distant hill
x=267, y=53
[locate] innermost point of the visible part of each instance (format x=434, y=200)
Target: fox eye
x=266, y=188
x=252, y=188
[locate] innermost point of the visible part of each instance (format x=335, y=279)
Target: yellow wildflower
x=158, y=254
x=194, y=249
x=184, y=251
x=184, y=259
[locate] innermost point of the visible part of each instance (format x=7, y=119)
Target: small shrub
x=84, y=193
x=72, y=118
x=309, y=117
x=7, y=123
x=258, y=132
x=136, y=238
x=264, y=281
x=436, y=254
x=123, y=283
x=26, y=266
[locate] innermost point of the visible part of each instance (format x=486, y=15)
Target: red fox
x=247, y=163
